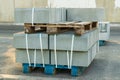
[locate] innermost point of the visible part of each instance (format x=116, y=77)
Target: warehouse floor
x=106, y=65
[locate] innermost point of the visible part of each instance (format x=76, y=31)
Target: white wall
x=6, y=10
x=75, y=3
x=117, y=3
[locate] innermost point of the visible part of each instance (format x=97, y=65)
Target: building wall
x=112, y=13
x=30, y=3
x=7, y=7
x=6, y=10
x=23, y=3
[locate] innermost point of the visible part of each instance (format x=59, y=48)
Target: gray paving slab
x=63, y=41
x=85, y=14
x=21, y=56
x=81, y=43
x=79, y=58
x=34, y=41
x=41, y=15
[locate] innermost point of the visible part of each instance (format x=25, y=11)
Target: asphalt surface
x=105, y=66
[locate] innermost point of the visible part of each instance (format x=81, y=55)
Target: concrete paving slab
x=33, y=40
x=41, y=15
x=81, y=43
x=85, y=14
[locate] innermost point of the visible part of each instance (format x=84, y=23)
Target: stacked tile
x=85, y=14
x=58, y=49
x=54, y=15
x=29, y=45
x=71, y=50
x=41, y=15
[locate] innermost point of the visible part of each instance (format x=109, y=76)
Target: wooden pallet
x=51, y=69
x=54, y=28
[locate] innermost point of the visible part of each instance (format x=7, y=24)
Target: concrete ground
x=105, y=66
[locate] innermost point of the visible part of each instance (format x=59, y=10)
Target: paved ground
x=106, y=65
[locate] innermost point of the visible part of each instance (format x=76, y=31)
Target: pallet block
x=102, y=42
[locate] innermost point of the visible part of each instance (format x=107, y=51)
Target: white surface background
x=117, y=3
x=75, y=3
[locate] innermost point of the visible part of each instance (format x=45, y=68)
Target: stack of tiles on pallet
x=65, y=50
x=104, y=33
